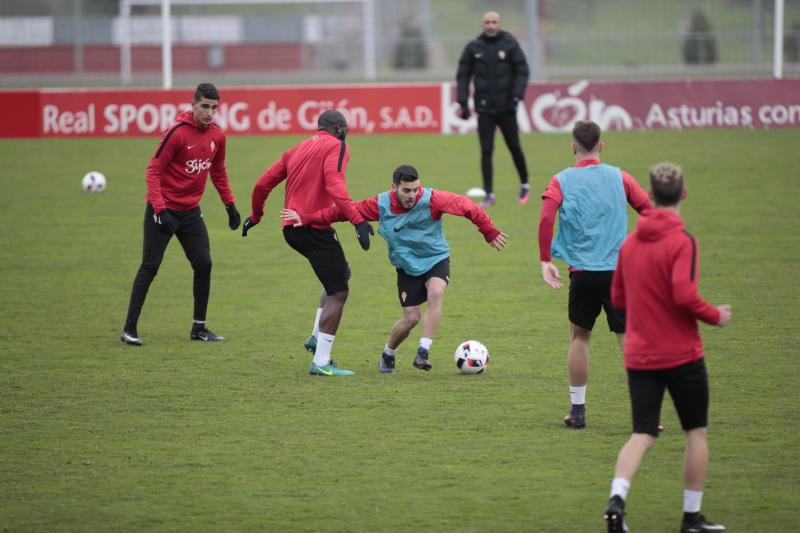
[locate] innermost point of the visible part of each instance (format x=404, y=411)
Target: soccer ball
x=471, y=357
x=94, y=182
x=476, y=193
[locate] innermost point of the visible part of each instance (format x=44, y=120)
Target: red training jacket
x=314, y=173
x=187, y=153
x=553, y=198
x=441, y=202
x=656, y=285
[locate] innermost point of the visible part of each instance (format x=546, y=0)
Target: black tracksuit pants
x=193, y=236
x=507, y=122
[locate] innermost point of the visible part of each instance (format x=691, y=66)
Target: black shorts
x=588, y=293
x=412, y=290
x=322, y=249
x=688, y=386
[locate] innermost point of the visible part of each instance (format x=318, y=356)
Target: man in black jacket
x=496, y=62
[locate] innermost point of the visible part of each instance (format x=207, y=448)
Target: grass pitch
x=182, y=436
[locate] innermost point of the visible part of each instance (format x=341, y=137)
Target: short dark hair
x=666, y=183
x=329, y=119
x=586, y=135
x=206, y=90
x=404, y=173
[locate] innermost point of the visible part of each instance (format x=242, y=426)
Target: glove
x=166, y=221
x=234, y=219
x=248, y=223
x=464, y=112
x=363, y=231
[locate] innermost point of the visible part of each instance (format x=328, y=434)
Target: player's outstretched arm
x=551, y=275
x=499, y=242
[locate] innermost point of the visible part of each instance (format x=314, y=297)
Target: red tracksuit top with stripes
x=187, y=153
x=314, y=173
x=656, y=285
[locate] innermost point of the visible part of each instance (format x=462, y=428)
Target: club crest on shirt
x=213, y=144
x=501, y=54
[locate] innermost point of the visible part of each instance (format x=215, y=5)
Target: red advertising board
x=409, y=108
x=246, y=111
x=650, y=105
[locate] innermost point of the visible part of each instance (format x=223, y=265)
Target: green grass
x=180, y=436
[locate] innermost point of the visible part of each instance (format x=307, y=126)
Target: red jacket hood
x=656, y=224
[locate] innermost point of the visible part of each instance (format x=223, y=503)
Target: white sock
x=692, y=500
x=324, y=345
x=315, y=331
x=425, y=343
x=199, y=321
x=388, y=351
x=526, y=185
x=577, y=395
x=619, y=487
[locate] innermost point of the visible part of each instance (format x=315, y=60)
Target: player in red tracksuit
x=314, y=171
x=409, y=218
x=656, y=285
x=191, y=149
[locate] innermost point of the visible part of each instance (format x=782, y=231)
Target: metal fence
x=84, y=42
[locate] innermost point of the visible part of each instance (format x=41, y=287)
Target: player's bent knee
x=202, y=265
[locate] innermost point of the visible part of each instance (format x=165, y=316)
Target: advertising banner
x=368, y=108
x=649, y=105
x=410, y=108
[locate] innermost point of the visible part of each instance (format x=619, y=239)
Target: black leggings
x=507, y=122
x=193, y=236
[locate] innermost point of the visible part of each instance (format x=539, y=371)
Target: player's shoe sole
x=615, y=516
x=701, y=526
x=524, y=196
x=127, y=338
x=329, y=370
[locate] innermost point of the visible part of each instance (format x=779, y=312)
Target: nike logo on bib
x=398, y=228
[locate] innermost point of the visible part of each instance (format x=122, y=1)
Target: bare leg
x=403, y=327
x=578, y=355
x=433, y=315
x=332, y=309
x=332, y=312
x=631, y=455
x=695, y=462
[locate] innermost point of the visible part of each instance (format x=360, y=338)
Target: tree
x=700, y=45
x=791, y=44
x=410, y=51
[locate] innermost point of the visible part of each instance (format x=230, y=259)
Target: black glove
x=247, y=225
x=166, y=221
x=464, y=112
x=363, y=231
x=234, y=219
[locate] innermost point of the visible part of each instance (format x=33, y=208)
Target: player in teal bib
x=410, y=220
x=591, y=200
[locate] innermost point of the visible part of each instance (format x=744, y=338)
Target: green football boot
x=330, y=370
x=311, y=344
